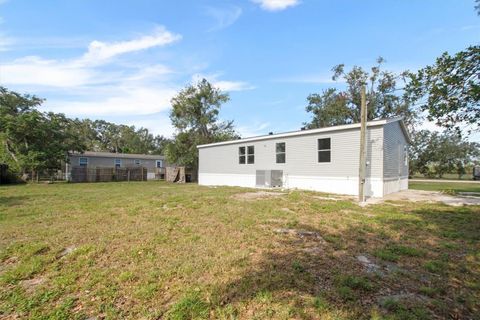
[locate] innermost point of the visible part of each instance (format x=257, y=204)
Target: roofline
x=372, y=123
x=117, y=155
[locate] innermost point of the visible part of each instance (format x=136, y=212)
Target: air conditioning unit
x=269, y=178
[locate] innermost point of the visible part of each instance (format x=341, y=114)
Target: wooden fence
x=107, y=174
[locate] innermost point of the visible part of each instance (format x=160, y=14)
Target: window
x=280, y=150
x=405, y=155
x=83, y=162
x=324, y=150
x=250, y=154
x=118, y=163
x=241, y=155
x=159, y=163
x=136, y=162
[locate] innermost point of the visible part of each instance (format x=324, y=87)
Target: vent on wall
x=269, y=178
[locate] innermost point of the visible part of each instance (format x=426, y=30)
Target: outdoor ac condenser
x=269, y=178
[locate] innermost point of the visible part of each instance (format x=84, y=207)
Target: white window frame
x=137, y=162
x=80, y=161
x=157, y=162
x=115, y=163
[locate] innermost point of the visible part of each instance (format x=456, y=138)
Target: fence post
x=128, y=175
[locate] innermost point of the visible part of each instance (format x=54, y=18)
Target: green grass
x=154, y=250
x=393, y=252
x=447, y=176
x=448, y=187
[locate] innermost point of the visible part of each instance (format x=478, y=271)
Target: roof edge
x=371, y=123
x=115, y=155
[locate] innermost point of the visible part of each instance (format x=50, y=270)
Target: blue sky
x=122, y=61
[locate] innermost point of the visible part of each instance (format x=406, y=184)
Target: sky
x=123, y=61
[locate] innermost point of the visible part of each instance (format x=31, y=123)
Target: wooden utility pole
x=363, y=152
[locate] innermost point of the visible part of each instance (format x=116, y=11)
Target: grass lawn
x=151, y=250
x=448, y=187
x=447, y=176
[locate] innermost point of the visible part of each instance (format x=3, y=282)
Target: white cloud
x=253, y=130
x=276, y=5
x=119, y=101
x=5, y=42
x=158, y=123
x=84, y=70
x=37, y=71
x=92, y=85
x=151, y=72
x=99, y=52
x=224, y=85
x=233, y=85
x=85, y=86
x=224, y=17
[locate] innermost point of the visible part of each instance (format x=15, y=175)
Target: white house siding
x=395, y=166
x=219, y=164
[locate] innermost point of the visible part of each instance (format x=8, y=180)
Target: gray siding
x=95, y=161
x=394, y=165
x=301, y=155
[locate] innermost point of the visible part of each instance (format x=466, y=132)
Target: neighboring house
x=325, y=159
x=155, y=164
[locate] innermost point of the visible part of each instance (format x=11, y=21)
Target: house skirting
x=391, y=185
x=375, y=187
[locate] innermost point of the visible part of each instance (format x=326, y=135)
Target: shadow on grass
x=7, y=201
x=302, y=274
x=299, y=270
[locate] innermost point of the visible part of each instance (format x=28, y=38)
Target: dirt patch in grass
x=30, y=284
x=334, y=198
x=257, y=195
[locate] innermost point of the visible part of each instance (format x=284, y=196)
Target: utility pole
x=363, y=152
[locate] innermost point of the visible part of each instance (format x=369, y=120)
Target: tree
x=334, y=106
x=195, y=115
x=100, y=135
x=33, y=140
x=449, y=90
x=435, y=154
x=160, y=144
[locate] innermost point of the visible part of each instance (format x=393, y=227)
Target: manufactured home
x=154, y=164
x=325, y=159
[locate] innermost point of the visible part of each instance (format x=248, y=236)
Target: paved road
x=439, y=180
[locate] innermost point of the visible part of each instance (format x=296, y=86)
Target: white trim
x=224, y=179
x=159, y=161
x=339, y=185
x=311, y=131
x=80, y=162
x=115, y=162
